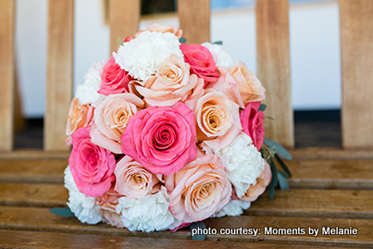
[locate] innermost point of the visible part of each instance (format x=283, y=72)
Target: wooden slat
x=34, y=154
x=124, y=18
x=7, y=74
x=320, y=153
x=72, y=240
x=273, y=60
x=331, y=174
x=59, y=73
x=356, y=23
x=41, y=219
x=194, y=18
x=46, y=171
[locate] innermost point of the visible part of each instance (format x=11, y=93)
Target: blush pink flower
x=108, y=203
x=133, y=180
x=252, y=123
x=114, y=79
x=79, y=116
x=92, y=167
x=162, y=139
x=201, y=62
x=157, y=27
x=201, y=189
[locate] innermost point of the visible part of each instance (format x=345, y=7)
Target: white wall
x=314, y=42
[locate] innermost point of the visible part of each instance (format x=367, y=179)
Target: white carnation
x=87, y=92
x=243, y=163
x=221, y=57
x=84, y=208
x=233, y=208
x=141, y=56
x=147, y=213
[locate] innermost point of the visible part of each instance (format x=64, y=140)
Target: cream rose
x=111, y=118
x=170, y=85
x=108, y=203
x=201, y=189
x=157, y=27
x=249, y=86
x=133, y=180
x=79, y=116
x=218, y=121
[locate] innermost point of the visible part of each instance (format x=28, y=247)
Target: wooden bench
x=330, y=187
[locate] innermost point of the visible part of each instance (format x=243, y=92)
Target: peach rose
x=133, y=180
x=111, y=118
x=249, y=86
x=260, y=186
x=170, y=85
x=199, y=190
x=157, y=27
x=108, y=202
x=218, y=120
x=79, y=116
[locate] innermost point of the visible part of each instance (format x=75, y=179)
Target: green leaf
x=64, y=212
x=120, y=41
x=273, y=183
x=283, y=165
x=218, y=43
x=201, y=226
x=278, y=148
x=282, y=180
x=182, y=40
x=262, y=107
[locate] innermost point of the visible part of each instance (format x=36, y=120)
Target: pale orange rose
x=249, y=86
x=108, y=203
x=111, y=118
x=157, y=27
x=261, y=183
x=79, y=116
x=171, y=84
x=199, y=190
x=133, y=180
x=218, y=121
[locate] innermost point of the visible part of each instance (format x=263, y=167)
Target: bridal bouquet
x=165, y=134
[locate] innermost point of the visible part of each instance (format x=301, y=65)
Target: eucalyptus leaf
x=273, y=183
x=201, y=226
x=182, y=40
x=283, y=165
x=64, y=212
x=282, y=180
x=120, y=41
x=218, y=43
x=278, y=148
x=262, y=107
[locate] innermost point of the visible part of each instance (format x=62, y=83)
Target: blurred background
x=314, y=50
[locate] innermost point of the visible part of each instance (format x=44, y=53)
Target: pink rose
x=201, y=62
x=157, y=27
x=249, y=86
x=218, y=122
x=261, y=183
x=108, y=203
x=171, y=84
x=201, y=189
x=252, y=123
x=79, y=116
x=133, y=180
x=111, y=118
x=162, y=139
x=114, y=79
x=91, y=166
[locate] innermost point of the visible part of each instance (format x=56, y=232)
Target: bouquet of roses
x=165, y=134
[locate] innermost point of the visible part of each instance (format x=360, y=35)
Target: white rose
x=233, y=208
x=84, y=208
x=147, y=214
x=221, y=57
x=243, y=163
x=87, y=92
x=141, y=56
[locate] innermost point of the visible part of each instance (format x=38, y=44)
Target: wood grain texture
x=59, y=73
x=34, y=154
x=320, y=153
x=124, y=18
x=7, y=87
x=356, y=24
x=194, y=18
x=273, y=62
x=41, y=219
